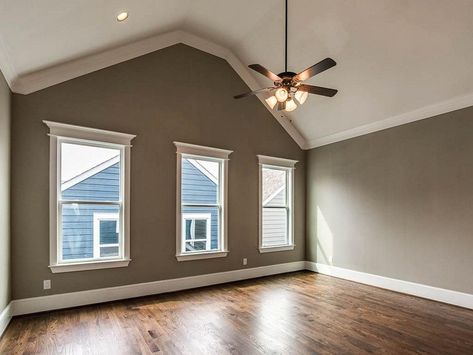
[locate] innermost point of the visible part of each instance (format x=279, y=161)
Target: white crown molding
x=41, y=79
x=54, y=75
x=5, y=318
x=439, y=108
x=81, y=298
x=411, y=288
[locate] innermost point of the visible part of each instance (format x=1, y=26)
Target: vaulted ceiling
x=398, y=60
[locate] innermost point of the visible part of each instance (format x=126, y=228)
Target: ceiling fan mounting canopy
x=291, y=82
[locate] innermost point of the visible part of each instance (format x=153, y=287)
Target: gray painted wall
x=176, y=94
x=397, y=203
x=4, y=193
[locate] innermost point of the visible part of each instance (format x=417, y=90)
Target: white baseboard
x=411, y=288
x=5, y=318
x=81, y=298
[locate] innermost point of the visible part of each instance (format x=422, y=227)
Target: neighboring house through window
x=201, y=202
x=276, y=176
x=89, y=193
x=196, y=230
x=106, y=235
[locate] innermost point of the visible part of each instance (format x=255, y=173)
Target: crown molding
x=44, y=78
x=41, y=79
x=439, y=108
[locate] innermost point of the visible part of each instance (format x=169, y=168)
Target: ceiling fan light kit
x=288, y=85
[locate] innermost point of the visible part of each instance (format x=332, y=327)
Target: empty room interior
x=236, y=177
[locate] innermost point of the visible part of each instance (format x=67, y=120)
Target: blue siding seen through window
x=198, y=188
x=78, y=219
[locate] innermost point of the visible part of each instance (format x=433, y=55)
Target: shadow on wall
x=324, y=237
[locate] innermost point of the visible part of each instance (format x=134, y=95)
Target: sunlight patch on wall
x=324, y=240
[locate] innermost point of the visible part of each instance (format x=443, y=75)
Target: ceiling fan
x=288, y=85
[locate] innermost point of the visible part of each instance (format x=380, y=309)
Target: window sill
x=275, y=249
x=206, y=255
x=90, y=265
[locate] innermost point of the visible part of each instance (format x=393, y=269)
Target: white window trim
x=193, y=217
x=60, y=132
x=289, y=166
x=104, y=216
x=199, y=152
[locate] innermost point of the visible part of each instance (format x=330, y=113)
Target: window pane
x=201, y=223
x=196, y=228
x=200, y=181
x=274, y=227
x=188, y=231
x=106, y=252
x=274, y=187
x=109, y=231
x=78, y=229
x=200, y=228
x=196, y=246
x=90, y=173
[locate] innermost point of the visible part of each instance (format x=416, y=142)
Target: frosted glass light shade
x=281, y=94
x=271, y=101
x=301, y=96
x=290, y=105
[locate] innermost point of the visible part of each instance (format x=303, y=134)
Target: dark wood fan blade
x=255, y=92
x=317, y=90
x=262, y=70
x=281, y=106
x=321, y=66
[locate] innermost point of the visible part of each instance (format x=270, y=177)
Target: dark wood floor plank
x=298, y=313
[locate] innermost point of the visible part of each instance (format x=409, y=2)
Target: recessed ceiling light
x=122, y=16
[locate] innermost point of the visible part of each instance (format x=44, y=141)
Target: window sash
x=193, y=216
x=219, y=205
x=287, y=232
x=60, y=202
x=288, y=206
x=96, y=256
x=104, y=216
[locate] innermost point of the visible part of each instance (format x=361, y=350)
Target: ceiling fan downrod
x=288, y=86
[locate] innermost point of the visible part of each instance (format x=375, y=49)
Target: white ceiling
x=398, y=60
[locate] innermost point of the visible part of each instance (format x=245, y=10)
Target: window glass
x=89, y=202
x=276, y=211
x=89, y=173
x=200, y=181
x=200, y=203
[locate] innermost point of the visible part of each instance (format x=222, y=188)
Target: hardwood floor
x=298, y=313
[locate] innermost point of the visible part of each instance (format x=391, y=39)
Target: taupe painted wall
x=397, y=203
x=176, y=94
x=4, y=193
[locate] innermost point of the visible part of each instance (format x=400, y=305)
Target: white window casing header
x=90, y=134
x=282, y=162
x=200, y=150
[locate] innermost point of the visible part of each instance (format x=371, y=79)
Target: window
x=276, y=203
x=196, y=231
x=106, y=235
x=89, y=189
x=201, y=202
